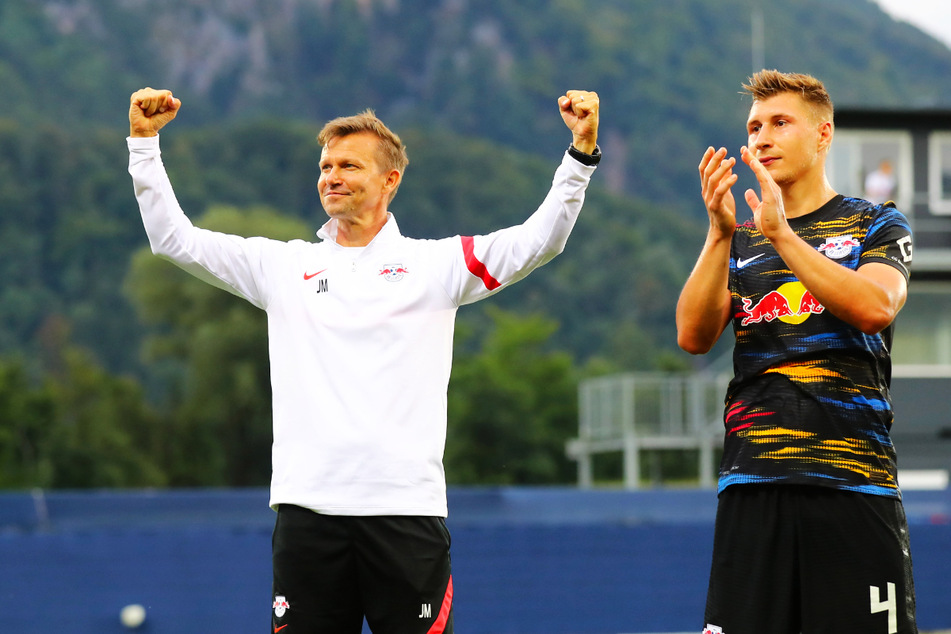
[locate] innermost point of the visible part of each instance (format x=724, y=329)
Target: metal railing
x=637, y=412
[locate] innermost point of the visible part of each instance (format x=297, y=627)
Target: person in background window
x=880, y=183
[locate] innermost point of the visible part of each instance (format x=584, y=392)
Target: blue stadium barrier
x=525, y=560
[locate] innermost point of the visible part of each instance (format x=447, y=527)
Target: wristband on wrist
x=585, y=159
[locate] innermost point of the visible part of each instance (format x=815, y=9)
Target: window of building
x=939, y=177
x=875, y=165
x=922, y=344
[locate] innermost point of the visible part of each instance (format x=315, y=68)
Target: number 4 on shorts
x=888, y=605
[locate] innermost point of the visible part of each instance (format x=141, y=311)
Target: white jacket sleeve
x=482, y=265
x=229, y=262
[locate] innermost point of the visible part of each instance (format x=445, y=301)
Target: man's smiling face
x=352, y=185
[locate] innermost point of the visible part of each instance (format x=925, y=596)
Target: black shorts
x=331, y=572
x=790, y=559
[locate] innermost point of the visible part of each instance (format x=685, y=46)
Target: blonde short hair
x=769, y=83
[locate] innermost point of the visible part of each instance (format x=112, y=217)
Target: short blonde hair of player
x=769, y=83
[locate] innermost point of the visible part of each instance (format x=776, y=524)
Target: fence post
x=584, y=454
x=632, y=458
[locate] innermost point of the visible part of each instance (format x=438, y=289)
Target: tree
x=26, y=415
x=105, y=435
x=78, y=427
x=512, y=405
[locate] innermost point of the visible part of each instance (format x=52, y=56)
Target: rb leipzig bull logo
x=393, y=272
x=779, y=305
x=839, y=246
x=280, y=606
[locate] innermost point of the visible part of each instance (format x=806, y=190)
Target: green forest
x=118, y=370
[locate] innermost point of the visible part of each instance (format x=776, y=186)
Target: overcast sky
x=931, y=16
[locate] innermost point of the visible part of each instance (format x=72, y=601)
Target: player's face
x=352, y=184
x=786, y=137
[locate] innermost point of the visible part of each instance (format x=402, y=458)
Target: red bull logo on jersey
x=790, y=303
x=393, y=272
x=838, y=247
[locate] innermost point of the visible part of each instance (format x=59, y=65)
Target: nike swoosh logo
x=741, y=262
x=307, y=277
x=278, y=629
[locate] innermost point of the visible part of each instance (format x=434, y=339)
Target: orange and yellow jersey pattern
x=809, y=401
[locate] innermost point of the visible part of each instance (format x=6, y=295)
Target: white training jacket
x=360, y=339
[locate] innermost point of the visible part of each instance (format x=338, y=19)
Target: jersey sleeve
x=229, y=262
x=481, y=265
x=889, y=241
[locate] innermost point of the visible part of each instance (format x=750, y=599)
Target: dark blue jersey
x=809, y=402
